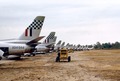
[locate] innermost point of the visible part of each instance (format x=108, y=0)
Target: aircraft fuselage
x=12, y=49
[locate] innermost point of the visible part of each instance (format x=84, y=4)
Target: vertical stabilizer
x=59, y=42
x=34, y=29
x=55, y=38
x=50, y=38
x=62, y=45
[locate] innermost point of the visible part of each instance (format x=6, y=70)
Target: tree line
x=99, y=45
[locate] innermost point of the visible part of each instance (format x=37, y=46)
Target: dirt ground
x=94, y=65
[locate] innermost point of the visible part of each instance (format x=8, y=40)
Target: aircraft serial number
x=17, y=47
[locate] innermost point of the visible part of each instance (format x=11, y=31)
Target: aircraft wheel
x=33, y=54
x=69, y=58
x=57, y=59
x=0, y=58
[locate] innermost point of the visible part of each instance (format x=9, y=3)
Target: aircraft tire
x=33, y=54
x=57, y=59
x=0, y=58
x=69, y=58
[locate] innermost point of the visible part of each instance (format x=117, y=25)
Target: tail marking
x=36, y=25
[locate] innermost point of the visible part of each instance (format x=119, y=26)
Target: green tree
x=98, y=45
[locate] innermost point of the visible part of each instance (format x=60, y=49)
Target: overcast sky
x=74, y=21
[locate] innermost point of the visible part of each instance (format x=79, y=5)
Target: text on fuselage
x=18, y=47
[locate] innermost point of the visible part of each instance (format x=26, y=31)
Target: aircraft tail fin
x=62, y=45
x=58, y=45
x=50, y=38
x=51, y=44
x=34, y=29
x=55, y=38
x=59, y=42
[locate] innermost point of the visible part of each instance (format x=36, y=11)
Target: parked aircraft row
x=68, y=46
x=28, y=42
x=45, y=46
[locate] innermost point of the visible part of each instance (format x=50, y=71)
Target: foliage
x=108, y=45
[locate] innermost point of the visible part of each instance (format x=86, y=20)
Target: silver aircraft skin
x=58, y=46
x=47, y=43
x=25, y=43
x=62, y=45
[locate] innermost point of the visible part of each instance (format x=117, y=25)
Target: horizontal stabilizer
x=49, y=45
x=35, y=40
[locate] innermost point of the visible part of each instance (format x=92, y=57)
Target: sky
x=74, y=21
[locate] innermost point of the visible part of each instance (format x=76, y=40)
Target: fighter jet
x=47, y=44
x=24, y=44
